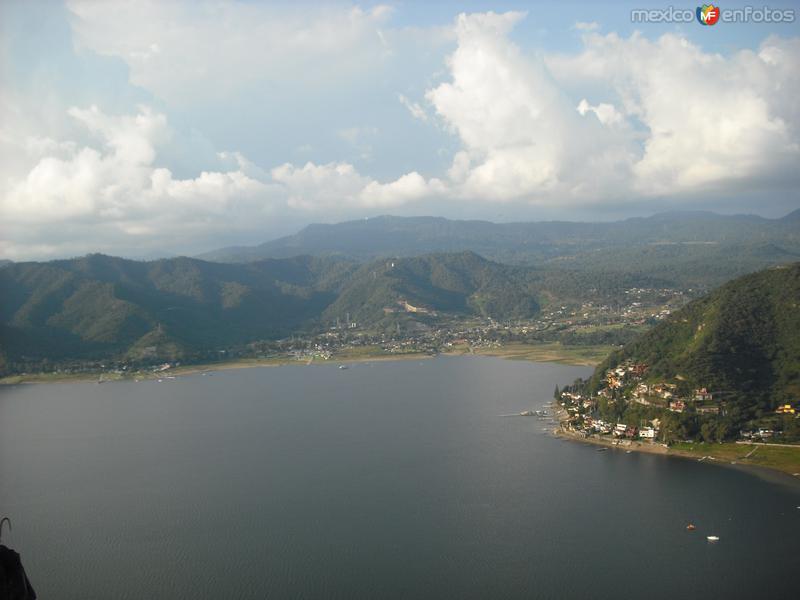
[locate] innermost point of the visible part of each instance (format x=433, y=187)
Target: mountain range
x=377, y=272
x=100, y=306
x=689, y=248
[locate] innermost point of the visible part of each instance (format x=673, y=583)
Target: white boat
x=342, y=367
x=712, y=538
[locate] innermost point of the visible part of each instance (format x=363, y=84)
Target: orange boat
x=690, y=527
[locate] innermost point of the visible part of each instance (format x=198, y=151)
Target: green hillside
x=741, y=342
x=462, y=283
x=100, y=306
x=743, y=336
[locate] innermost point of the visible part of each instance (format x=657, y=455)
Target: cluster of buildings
x=580, y=408
x=621, y=430
x=624, y=374
x=314, y=352
x=627, y=382
x=762, y=433
x=627, y=378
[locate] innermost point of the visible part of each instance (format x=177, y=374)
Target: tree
x=722, y=430
x=707, y=431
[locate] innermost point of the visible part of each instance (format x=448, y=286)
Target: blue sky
x=159, y=128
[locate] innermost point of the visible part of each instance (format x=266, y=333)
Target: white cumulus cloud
x=706, y=120
x=522, y=138
x=116, y=186
x=669, y=118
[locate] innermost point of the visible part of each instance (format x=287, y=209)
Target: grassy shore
x=572, y=355
x=781, y=458
x=588, y=356
x=776, y=458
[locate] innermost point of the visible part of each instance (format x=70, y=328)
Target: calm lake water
x=385, y=480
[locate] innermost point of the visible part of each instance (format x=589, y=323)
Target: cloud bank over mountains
x=625, y=120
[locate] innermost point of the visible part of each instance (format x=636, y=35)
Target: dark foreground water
x=385, y=480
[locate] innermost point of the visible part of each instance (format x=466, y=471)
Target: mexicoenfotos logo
x=708, y=14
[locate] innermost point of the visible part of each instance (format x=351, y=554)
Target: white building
x=647, y=433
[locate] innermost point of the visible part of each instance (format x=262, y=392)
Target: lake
x=385, y=480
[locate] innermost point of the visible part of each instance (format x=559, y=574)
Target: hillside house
x=638, y=369
x=703, y=395
x=614, y=379
x=677, y=406
x=664, y=390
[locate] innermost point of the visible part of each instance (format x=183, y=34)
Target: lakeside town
x=413, y=329
x=627, y=384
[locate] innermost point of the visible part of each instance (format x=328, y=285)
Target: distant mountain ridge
x=695, y=248
x=398, y=236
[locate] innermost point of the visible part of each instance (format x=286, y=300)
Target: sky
x=147, y=129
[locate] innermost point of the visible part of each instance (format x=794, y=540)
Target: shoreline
x=775, y=474
x=570, y=355
x=95, y=377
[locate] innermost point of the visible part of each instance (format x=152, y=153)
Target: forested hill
x=105, y=306
x=741, y=341
x=102, y=306
x=686, y=248
x=458, y=283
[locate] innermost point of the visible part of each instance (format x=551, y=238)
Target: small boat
x=712, y=538
x=602, y=449
x=690, y=527
x=342, y=367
